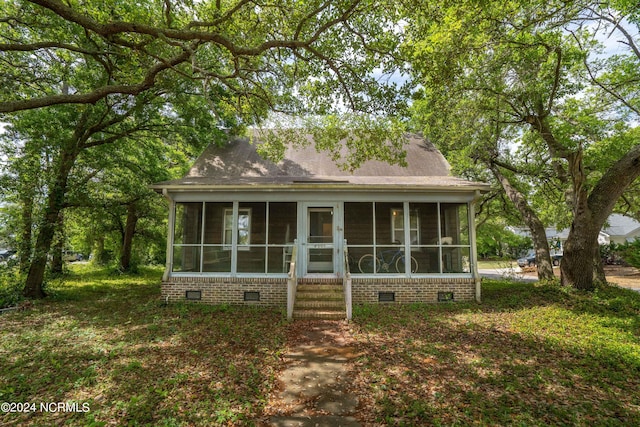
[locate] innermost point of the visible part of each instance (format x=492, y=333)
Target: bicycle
x=383, y=262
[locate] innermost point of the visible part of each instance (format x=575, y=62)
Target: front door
x=321, y=240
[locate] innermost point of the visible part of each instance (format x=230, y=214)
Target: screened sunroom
x=434, y=235
x=228, y=237
x=257, y=238
x=242, y=228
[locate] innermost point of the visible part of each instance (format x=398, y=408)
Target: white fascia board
x=337, y=188
x=325, y=196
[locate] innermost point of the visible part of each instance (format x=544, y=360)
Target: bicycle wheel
x=368, y=264
x=400, y=265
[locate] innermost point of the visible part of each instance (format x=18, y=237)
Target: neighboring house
x=618, y=229
x=243, y=229
x=621, y=229
x=559, y=237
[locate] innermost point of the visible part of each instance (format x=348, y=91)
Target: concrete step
x=338, y=305
x=319, y=296
x=320, y=287
x=314, y=281
x=319, y=314
x=319, y=299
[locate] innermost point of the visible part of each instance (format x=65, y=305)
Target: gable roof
x=617, y=226
x=238, y=164
x=621, y=226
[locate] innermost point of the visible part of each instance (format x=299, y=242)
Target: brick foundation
x=413, y=290
x=225, y=290
x=273, y=291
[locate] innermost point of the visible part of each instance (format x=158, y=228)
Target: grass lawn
x=528, y=355
x=107, y=341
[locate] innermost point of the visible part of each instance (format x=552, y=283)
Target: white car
x=5, y=254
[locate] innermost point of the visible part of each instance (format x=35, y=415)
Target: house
x=244, y=230
x=621, y=229
x=618, y=229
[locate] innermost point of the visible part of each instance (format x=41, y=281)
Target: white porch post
x=474, y=249
x=292, y=281
x=346, y=280
x=170, y=233
x=407, y=237
x=234, y=239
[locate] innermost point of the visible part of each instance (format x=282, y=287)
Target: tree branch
x=120, y=33
x=556, y=77
x=114, y=28
x=97, y=94
x=29, y=47
x=610, y=187
x=616, y=23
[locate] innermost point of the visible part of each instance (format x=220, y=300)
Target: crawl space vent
x=386, y=296
x=193, y=295
x=252, y=296
x=445, y=296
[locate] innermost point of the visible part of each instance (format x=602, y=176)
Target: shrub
x=631, y=253
x=10, y=286
x=497, y=241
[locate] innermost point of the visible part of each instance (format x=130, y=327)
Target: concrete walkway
x=314, y=388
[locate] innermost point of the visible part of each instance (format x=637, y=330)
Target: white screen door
x=320, y=240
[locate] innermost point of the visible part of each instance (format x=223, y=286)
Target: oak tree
x=538, y=96
x=108, y=72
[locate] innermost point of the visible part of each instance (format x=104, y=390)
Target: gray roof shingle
x=238, y=163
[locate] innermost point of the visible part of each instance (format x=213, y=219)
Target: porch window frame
x=410, y=248
x=233, y=248
x=443, y=223
x=235, y=227
x=406, y=218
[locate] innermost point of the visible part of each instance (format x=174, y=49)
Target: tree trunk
x=577, y=265
x=538, y=234
x=57, y=260
x=127, y=238
x=598, y=268
x=24, y=245
x=590, y=214
x=33, y=284
x=55, y=201
x=98, y=251
x=590, y=209
x=543, y=258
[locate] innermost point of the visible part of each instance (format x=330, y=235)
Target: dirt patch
x=627, y=277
